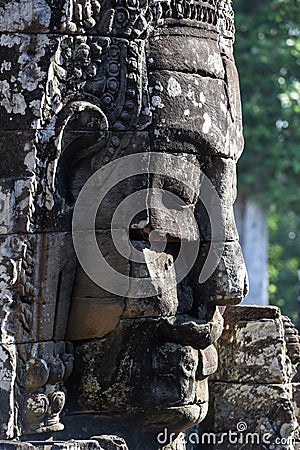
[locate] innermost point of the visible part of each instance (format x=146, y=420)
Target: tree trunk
x=252, y=226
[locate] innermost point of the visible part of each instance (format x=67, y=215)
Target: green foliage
x=284, y=257
x=268, y=57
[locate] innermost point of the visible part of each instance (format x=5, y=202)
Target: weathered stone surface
x=5, y=445
x=209, y=361
x=174, y=188
x=93, y=17
x=20, y=163
x=296, y=399
x=40, y=370
x=256, y=353
x=206, y=209
x=165, y=53
x=94, y=317
x=192, y=108
x=38, y=294
x=23, y=78
x=296, y=404
x=159, y=269
x=111, y=442
x=251, y=313
x=228, y=283
x=16, y=205
x=254, y=404
x=94, y=312
x=7, y=376
x=269, y=414
x=292, y=340
x=28, y=14
x=168, y=372
x=80, y=445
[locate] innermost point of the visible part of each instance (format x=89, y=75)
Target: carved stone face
x=86, y=82
x=147, y=359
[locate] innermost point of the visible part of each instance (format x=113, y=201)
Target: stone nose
x=227, y=284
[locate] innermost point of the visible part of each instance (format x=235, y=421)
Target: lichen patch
x=207, y=123
x=173, y=88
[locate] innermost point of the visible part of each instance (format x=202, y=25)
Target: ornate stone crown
x=137, y=18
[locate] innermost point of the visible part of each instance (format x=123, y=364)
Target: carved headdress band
x=137, y=18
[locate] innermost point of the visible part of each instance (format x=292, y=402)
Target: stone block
x=175, y=186
x=28, y=15
x=92, y=318
x=109, y=442
x=190, y=55
x=252, y=347
x=11, y=445
x=250, y=313
x=18, y=154
x=124, y=180
x=16, y=200
x=273, y=413
x=23, y=77
x=96, y=307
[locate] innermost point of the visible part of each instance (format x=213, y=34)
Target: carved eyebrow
x=185, y=140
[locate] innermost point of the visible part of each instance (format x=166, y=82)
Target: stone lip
x=187, y=330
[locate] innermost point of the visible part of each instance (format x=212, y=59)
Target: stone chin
x=137, y=425
x=145, y=375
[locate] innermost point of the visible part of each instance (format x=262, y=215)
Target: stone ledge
x=105, y=442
